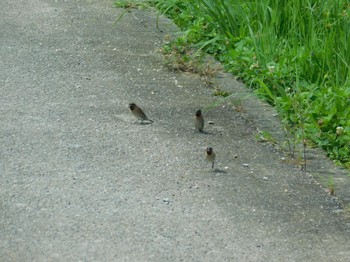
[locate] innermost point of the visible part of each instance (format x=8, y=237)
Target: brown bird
x=210, y=156
x=199, y=121
x=138, y=113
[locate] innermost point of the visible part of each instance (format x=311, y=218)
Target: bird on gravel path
x=210, y=156
x=138, y=113
x=199, y=121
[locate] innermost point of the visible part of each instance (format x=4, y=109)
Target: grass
x=294, y=53
x=331, y=188
x=264, y=136
x=180, y=57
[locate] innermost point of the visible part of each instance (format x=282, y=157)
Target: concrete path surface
x=80, y=182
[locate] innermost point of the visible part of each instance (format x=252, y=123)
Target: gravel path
x=81, y=182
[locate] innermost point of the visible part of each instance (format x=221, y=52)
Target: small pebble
x=338, y=211
x=246, y=165
x=210, y=122
x=265, y=178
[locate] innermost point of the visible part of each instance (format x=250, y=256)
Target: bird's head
x=198, y=113
x=209, y=150
x=132, y=106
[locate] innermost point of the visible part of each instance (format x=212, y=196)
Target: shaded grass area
x=293, y=53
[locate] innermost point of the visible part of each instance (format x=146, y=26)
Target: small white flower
x=255, y=65
x=271, y=69
x=339, y=130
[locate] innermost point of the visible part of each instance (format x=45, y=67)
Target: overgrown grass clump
x=294, y=53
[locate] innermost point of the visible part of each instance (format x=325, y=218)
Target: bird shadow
x=219, y=171
x=143, y=123
x=205, y=133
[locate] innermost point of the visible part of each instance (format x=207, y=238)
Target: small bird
x=199, y=121
x=138, y=113
x=210, y=156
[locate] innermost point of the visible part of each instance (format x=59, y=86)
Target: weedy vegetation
x=295, y=54
x=331, y=187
